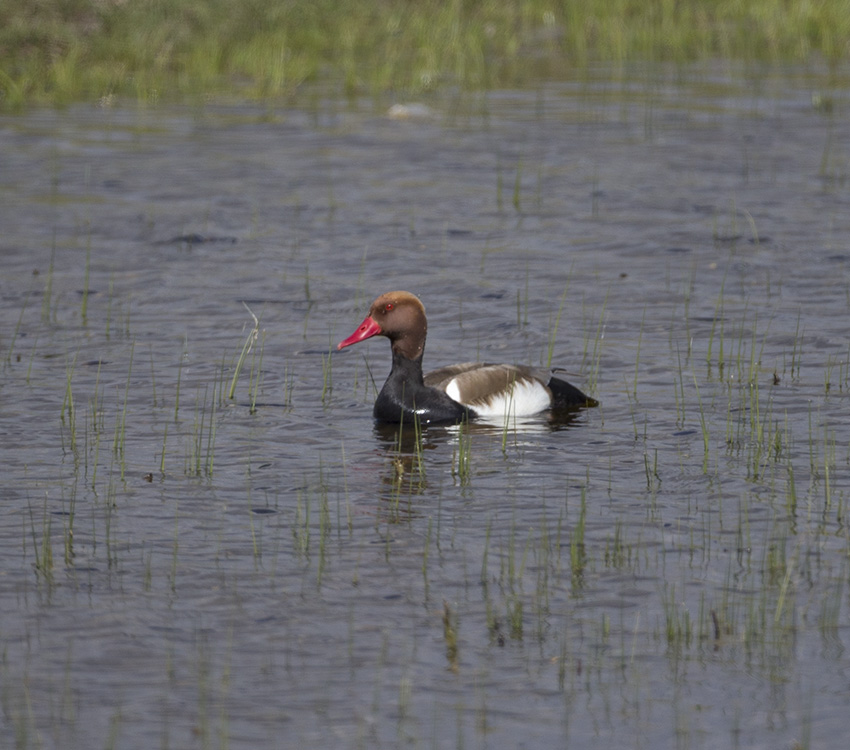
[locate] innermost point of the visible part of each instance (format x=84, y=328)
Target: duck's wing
x=493, y=390
x=441, y=377
x=498, y=389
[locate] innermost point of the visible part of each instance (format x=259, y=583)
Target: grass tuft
x=71, y=50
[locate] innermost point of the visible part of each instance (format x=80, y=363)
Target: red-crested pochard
x=456, y=392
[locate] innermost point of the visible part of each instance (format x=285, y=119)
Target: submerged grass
x=247, y=348
x=65, y=50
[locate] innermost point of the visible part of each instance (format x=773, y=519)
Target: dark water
x=669, y=569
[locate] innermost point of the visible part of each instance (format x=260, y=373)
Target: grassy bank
x=57, y=51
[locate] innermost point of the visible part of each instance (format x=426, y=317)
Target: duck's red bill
x=365, y=330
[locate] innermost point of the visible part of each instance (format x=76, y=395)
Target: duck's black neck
x=405, y=396
x=407, y=369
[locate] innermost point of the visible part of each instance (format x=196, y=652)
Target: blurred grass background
x=60, y=51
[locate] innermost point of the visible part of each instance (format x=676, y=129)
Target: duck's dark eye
x=389, y=306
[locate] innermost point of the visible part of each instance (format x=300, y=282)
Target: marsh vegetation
x=61, y=51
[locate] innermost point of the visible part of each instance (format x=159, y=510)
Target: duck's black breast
x=405, y=397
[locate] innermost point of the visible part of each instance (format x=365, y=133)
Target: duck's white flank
x=521, y=399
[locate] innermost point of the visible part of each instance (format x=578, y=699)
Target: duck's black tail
x=565, y=395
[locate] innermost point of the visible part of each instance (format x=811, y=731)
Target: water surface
x=179, y=568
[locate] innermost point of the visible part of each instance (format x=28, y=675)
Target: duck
x=455, y=393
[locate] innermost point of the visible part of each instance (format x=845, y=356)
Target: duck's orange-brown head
x=400, y=316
